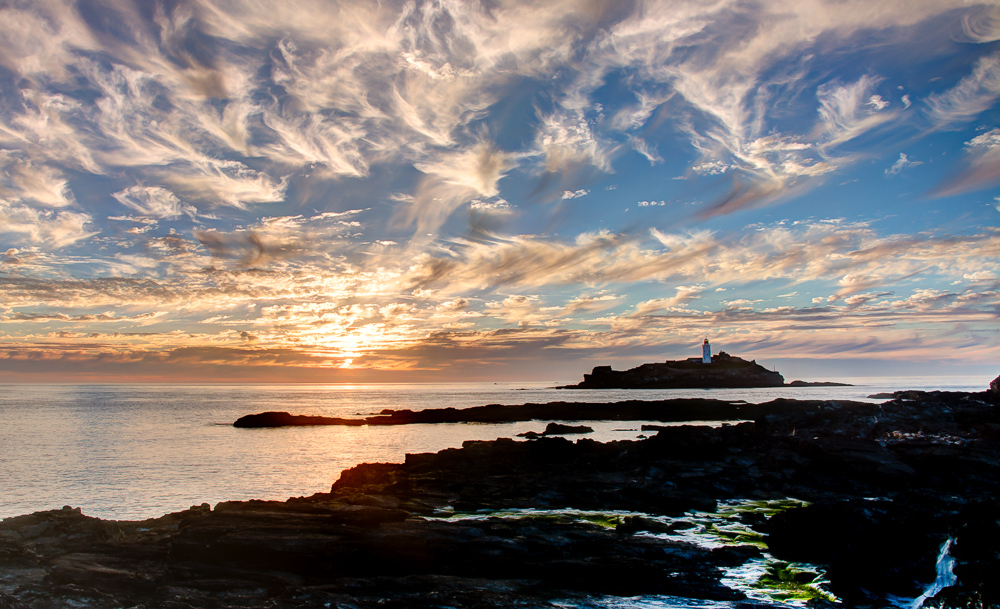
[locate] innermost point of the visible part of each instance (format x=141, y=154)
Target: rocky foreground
x=877, y=489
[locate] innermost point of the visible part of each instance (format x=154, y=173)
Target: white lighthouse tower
x=706, y=353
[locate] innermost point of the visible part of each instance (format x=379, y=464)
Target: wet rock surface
x=886, y=485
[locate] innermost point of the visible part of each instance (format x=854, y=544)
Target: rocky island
x=719, y=371
x=825, y=503
x=722, y=371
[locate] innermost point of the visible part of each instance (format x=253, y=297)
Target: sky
x=496, y=190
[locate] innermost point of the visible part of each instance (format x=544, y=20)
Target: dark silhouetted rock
x=284, y=419
x=725, y=371
x=556, y=429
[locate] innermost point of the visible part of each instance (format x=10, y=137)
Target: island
x=834, y=503
x=719, y=371
x=722, y=371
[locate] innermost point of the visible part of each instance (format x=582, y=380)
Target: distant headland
x=719, y=371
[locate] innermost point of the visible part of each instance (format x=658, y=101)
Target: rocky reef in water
x=725, y=371
x=865, y=495
x=673, y=410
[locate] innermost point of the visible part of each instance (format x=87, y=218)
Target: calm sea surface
x=139, y=451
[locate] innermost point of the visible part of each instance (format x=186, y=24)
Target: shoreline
x=401, y=533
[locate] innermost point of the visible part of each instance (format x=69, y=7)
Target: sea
x=130, y=452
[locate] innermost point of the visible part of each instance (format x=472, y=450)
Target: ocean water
x=140, y=451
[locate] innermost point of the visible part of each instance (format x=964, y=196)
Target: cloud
x=569, y=146
x=980, y=167
x=55, y=229
x=35, y=184
x=851, y=255
x=278, y=238
x=110, y=316
x=185, y=95
x=876, y=102
x=972, y=95
x=575, y=194
x=678, y=302
x=452, y=180
x=726, y=75
x=497, y=206
x=646, y=149
x=847, y=111
x=153, y=201
x=903, y=162
x=713, y=168
x=326, y=315
x=230, y=183
x=983, y=26
x=773, y=167
x=250, y=247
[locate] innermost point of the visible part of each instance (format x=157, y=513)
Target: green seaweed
x=608, y=521
x=767, y=507
x=788, y=581
x=546, y=518
x=605, y=520
x=735, y=535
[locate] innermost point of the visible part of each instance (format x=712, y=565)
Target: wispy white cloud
x=970, y=97
x=452, y=180
x=34, y=226
x=575, y=194
x=982, y=26
x=498, y=206
x=903, y=162
x=229, y=183
x=31, y=183
x=153, y=201
x=569, y=146
x=847, y=111
x=850, y=255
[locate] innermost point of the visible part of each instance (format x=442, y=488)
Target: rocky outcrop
x=887, y=484
x=284, y=419
x=675, y=410
x=557, y=429
x=725, y=371
x=630, y=410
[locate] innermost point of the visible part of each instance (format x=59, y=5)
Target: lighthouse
x=706, y=353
